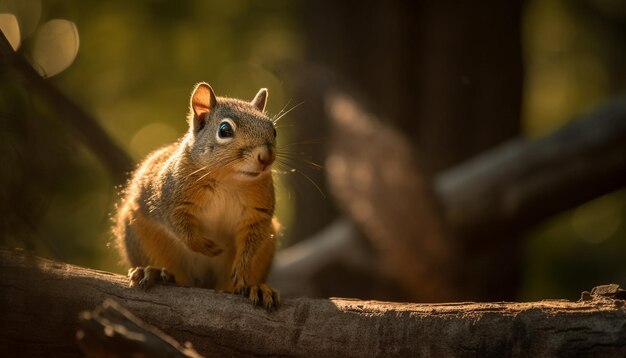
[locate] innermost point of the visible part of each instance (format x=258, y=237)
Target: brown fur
x=190, y=208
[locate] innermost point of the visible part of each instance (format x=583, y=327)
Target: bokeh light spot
x=11, y=29
x=56, y=46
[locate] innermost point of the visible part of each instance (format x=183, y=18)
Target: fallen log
x=41, y=301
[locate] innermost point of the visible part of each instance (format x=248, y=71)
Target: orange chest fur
x=225, y=212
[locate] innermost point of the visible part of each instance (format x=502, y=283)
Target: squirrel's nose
x=265, y=155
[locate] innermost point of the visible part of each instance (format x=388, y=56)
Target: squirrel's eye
x=225, y=130
x=274, y=132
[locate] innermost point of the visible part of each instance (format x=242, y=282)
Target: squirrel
x=200, y=212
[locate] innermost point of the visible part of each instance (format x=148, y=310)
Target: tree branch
x=376, y=179
x=112, y=331
x=518, y=184
x=41, y=301
x=374, y=176
x=114, y=158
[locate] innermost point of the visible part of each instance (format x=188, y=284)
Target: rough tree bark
x=112, y=331
x=41, y=301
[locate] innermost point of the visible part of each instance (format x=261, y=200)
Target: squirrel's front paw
x=146, y=277
x=240, y=281
x=263, y=295
x=260, y=294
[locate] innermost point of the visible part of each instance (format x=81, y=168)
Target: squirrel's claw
x=146, y=277
x=263, y=295
x=260, y=294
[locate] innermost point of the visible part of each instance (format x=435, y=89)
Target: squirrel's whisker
x=312, y=182
x=280, y=126
x=288, y=170
x=226, y=163
x=203, y=176
x=196, y=171
x=284, y=173
x=306, y=161
x=286, y=112
x=281, y=110
x=312, y=141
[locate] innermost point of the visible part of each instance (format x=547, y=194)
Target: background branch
x=520, y=183
x=114, y=158
x=503, y=191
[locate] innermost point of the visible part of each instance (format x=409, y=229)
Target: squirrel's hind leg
x=146, y=277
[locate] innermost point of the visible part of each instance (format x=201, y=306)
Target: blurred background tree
x=457, y=79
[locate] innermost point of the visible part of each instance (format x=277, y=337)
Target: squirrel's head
x=230, y=137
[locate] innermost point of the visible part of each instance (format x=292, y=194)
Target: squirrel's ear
x=260, y=100
x=202, y=102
